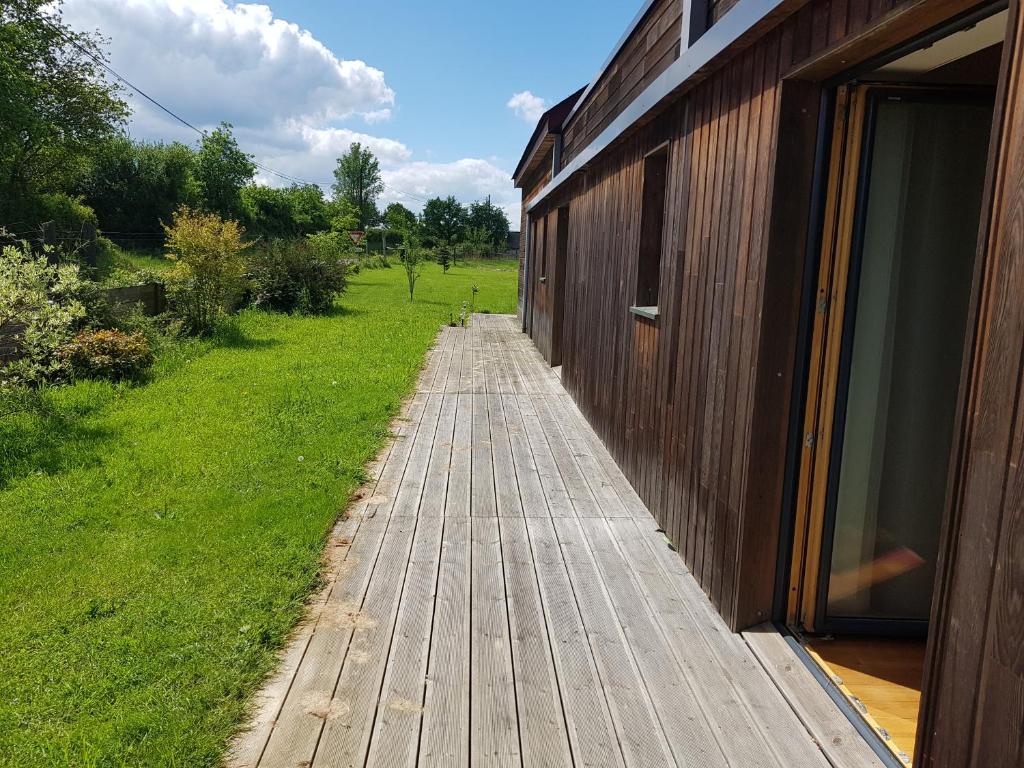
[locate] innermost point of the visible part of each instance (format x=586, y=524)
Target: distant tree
x=221, y=171
x=397, y=217
x=358, y=181
x=133, y=186
x=342, y=215
x=309, y=209
x=490, y=218
x=282, y=213
x=444, y=220
x=56, y=105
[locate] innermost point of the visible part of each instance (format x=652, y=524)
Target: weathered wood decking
x=501, y=596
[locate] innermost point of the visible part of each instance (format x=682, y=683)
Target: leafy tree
x=295, y=211
x=343, y=216
x=55, y=104
x=133, y=186
x=397, y=217
x=358, y=181
x=444, y=220
x=221, y=171
x=309, y=209
x=483, y=215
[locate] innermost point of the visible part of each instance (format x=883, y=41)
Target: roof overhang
x=742, y=24
x=549, y=126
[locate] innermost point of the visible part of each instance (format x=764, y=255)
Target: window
x=541, y=228
x=652, y=224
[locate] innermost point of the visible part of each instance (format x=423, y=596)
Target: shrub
x=108, y=354
x=208, y=278
x=39, y=311
x=297, y=275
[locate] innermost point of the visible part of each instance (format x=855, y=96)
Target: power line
x=189, y=125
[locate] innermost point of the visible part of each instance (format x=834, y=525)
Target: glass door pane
x=913, y=252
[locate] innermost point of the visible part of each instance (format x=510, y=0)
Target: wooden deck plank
x=588, y=719
x=690, y=736
x=819, y=714
x=435, y=483
x=741, y=705
x=640, y=734
x=527, y=478
x=445, y=735
x=555, y=493
x=506, y=487
x=348, y=715
x=494, y=733
x=499, y=595
x=539, y=704
x=395, y=738
x=483, y=491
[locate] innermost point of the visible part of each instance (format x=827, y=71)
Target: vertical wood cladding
x=652, y=47
x=973, y=712
x=684, y=402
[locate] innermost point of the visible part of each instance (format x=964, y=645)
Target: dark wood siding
x=694, y=405
x=973, y=714
x=652, y=47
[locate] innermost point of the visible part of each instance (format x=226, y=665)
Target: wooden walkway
x=500, y=596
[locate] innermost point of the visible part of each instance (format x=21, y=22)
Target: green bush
x=40, y=309
x=301, y=276
x=208, y=278
x=108, y=354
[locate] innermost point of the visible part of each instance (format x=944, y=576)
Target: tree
x=490, y=218
x=133, y=186
x=221, y=171
x=358, y=181
x=444, y=220
x=397, y=217
x=411, y=257
x=55, y=102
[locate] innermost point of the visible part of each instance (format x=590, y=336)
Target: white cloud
x=287, y=94
x=468, y=180
x=527, y=106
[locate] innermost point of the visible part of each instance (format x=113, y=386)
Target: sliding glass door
x=905, y=234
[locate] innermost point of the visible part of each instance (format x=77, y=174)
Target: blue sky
x=426, y=85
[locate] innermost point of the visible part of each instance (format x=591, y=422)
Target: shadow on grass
x=47, y=439
x=231, y=336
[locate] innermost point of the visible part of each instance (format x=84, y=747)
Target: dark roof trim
x=648, y=4
x=738, y=23
x=550, y=122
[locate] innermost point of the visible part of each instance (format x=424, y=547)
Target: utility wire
x=187, y=124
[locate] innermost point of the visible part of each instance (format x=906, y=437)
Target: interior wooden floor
x=885, y=675
x=500, y=596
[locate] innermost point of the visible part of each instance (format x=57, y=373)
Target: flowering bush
x=209, y=277
x=39, y=311
x=110, y=354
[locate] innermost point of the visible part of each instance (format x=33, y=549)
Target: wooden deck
x=500, y=596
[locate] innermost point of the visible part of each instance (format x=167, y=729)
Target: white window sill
x=650, y=313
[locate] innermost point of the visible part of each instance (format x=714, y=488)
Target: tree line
x=65, y=158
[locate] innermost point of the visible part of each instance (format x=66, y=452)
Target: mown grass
x=157, y=542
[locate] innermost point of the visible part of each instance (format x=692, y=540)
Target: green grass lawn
x=157, y=542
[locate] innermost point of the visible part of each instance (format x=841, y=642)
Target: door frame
x=829, y=372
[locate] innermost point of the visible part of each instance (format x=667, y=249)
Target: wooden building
x=777, y=249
